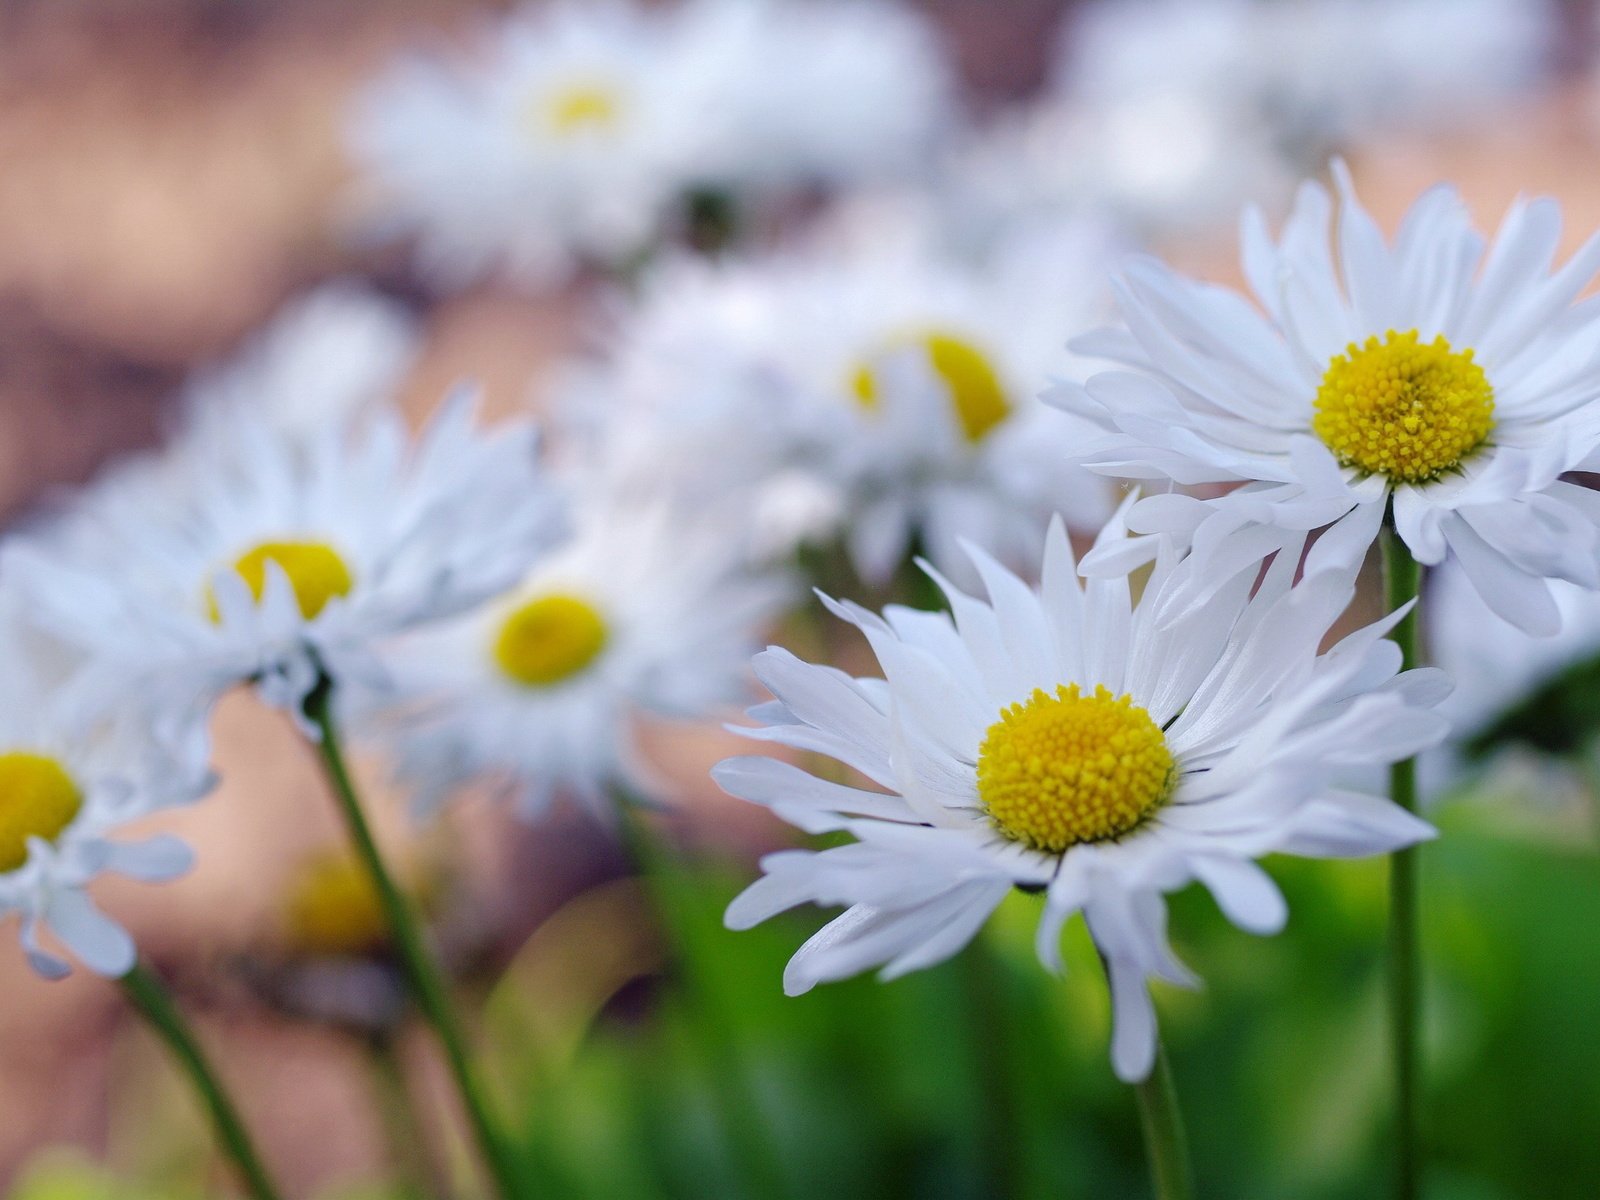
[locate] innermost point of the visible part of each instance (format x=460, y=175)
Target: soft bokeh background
x=170, y=172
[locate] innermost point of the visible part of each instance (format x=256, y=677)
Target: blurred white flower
x=1440, y=378
x=1063, y=741
x=871, y=378
x=644, y=609
x=820, y=92
x=562, y=137
x=248, y=553
x=337, y=351
x=69, y=784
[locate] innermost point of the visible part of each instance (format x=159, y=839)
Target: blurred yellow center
x=1404, y=409
x=38, y=799
x=581, y=107
x=1057, y=770
x=334, y=909
x=316, y=573
x=976, y=393
x=549, y=640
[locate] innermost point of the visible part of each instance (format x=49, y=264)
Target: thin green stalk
x=1403, y=582
x=988, y=1039
x=1164, y=1138
x=417, y=1178
x=422, y=973
x=155, y=1004
x=705, y=1017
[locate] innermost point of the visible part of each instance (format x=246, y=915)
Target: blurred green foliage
x=986, y=1078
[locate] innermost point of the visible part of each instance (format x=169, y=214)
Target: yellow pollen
x=334, y=909
x=549, y=640
x=580, y=108
x=1402, y=408
x=316, y=573
x=1057, y=770
x=38, y=799
x=976, y=393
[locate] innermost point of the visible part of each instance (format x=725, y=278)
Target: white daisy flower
x=1319, y=73
x=901, y=380
x=563, y=138
x=641, y=610
x=69, y=785
x=1497, y=668
x=252, y=554
x=1425, y=377
x=830, y=92
x=340, y=350
x=1062, y=741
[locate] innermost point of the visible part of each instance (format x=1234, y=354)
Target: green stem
x=150, y=997
x=1164, y=1138
x=988, y=1023
x=705, y=1015
x=1403, y=582
x=422, y=972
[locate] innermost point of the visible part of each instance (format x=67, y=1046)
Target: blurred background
x=174, y=171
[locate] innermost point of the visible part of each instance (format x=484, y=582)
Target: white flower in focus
x=68, y=787
x=1062, y=741
x=1452, y=382
x=642, y=610
x=562, y=137
x=829, y=92
x=872, y=378
x=251, y=554
x=328, y=356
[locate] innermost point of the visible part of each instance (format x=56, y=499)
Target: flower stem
x=422, y=973
x=1164, y=1139
x=704, y=1014
x=1403, y=582
x=147, y=994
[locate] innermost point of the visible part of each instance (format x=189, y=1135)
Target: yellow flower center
x=316, y=573
x=586, y=107
x=38, y=799
x=334, y=909
x=550, y=639
x=1402, y=408
x=1057, y=770
x=976, y=393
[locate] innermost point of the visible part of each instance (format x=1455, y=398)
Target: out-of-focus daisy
x=562, y=137
x=1062, y=741
x=69, y=785
x=643, y=610
x=1319, y=73
x=1512, y=688
x=819, y=92
x=1425, y=377
x=896, y=379
x=327, y=356
x=258, y=555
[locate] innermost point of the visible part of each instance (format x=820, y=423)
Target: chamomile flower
x=641, y=610
x=820, y=92
x=1062, y=741
x=1425, y=377
x=329, y=355
x=69, y=786
x=562, y=138
x=1501, y=673
x=253, y=554
x=899, y=380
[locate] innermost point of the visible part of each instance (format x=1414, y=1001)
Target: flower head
x=70, y=782
x=640, y=611
x=1444, y=380
x=252, y=554
x=1061, y=740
